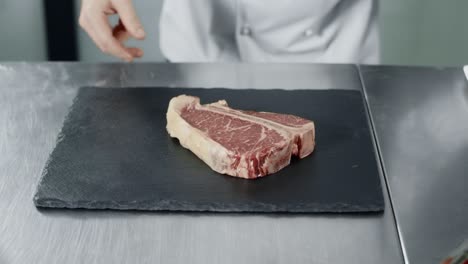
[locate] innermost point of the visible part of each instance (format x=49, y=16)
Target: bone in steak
x=244, y=144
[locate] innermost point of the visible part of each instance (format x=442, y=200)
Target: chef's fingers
x=93, y=19
x=94, y=35
x=120, y=33
x=136, y=52
x=102, y=34
x=129, y=18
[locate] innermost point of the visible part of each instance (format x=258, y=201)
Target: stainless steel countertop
x=33, y=102
x=420, y=116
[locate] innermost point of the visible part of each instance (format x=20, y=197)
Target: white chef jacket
x=326, y=31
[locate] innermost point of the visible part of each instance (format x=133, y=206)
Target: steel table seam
x=381, y=162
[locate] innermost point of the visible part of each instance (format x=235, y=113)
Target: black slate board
x=114, y=153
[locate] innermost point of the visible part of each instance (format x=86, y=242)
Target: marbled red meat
x=244, y=144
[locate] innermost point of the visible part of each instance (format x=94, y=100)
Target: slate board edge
x=59, y=137
x=188, y=207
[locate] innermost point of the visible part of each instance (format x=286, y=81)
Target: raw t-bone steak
x=239, y=143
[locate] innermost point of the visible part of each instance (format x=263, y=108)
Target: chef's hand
x=94, y=20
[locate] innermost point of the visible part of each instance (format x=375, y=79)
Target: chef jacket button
x=245, y=30
x=309, y=32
